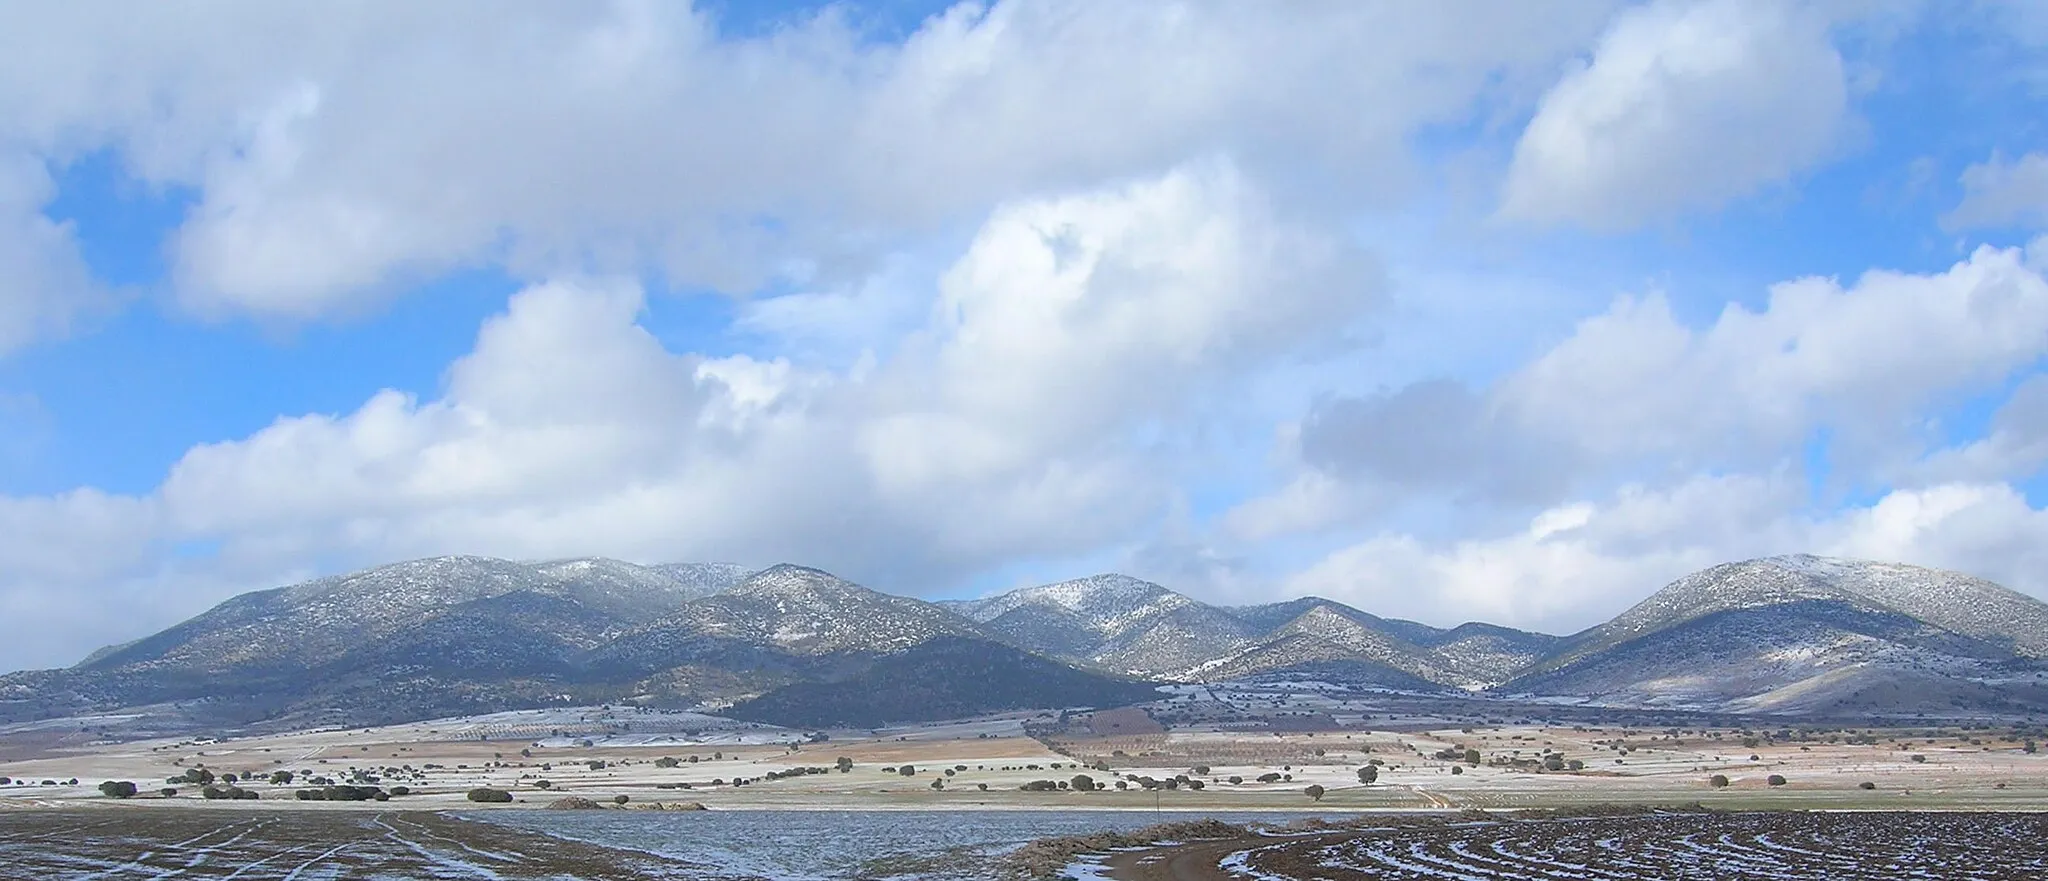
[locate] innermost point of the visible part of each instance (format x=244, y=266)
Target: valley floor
x=1420, y=761
x=120, y=842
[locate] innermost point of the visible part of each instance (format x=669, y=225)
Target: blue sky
x=1503, y=313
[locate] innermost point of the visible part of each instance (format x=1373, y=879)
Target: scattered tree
x=117, y=789
x=1718, y=781
x=1775, y=780
x=1315, y=792
x=487, y=795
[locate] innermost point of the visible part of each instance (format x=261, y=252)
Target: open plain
x=1318, y=761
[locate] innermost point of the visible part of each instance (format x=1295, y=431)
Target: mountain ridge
x=1793, y=633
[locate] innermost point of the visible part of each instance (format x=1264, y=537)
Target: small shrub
x=620, y=799
x=1866, y=785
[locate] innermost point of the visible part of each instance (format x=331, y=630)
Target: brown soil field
x=1800, y=846
x=132, y=841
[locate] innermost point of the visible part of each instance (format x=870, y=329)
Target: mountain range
x=801, y=647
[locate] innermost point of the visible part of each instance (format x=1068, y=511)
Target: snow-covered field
x=1681, y=847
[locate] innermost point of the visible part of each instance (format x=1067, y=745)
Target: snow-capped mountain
x=1323, y=630
x=307, y=624
x=803, y=611
x=1801, y=633
x=1112, y=621
x=468, y=634
x=699, y=580
x=461, y=634
x=1136, y=627
x=1488, y=654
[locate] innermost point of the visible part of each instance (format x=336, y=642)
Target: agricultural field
x=1359, y=757
x=300, y=845
x=1678, y=846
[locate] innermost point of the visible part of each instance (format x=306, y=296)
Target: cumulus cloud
x=340, y=151
x=1020, y=275
x=1435, y=435
x=1682, y=106
x=1577, y=564
x=1998, y=192
x=2015, y=446
x=1011, y=427
x=1633, y=393
x=44, y=285
x=1639, y=448
x=1865, y=358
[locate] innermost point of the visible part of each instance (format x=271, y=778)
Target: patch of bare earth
x=132, y=842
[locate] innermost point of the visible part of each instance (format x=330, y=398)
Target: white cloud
x=1577, y=564
x=1986, y=529
x=1683, y=106
x=2015, y=446
x=339, y=152
x=2001, y=193
x=1686, y=447
x=1009, y=429
x=1035, y=267
x=1632, y=394
x=44, y=285
x=1866, y=358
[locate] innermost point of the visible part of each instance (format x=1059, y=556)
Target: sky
x=1450, y=311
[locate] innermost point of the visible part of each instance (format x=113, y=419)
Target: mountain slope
x=782, y=624
x=1961, y=603
x=308, y=624
x=1489, y=654
x=1793, y=634
x=1324, y=631
x=1115, y=622
x=947, y=677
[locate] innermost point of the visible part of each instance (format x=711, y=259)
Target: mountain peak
x=813, y=611
x=1105, y=595
x=791, y=580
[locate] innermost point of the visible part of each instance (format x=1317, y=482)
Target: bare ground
x=132, y=841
